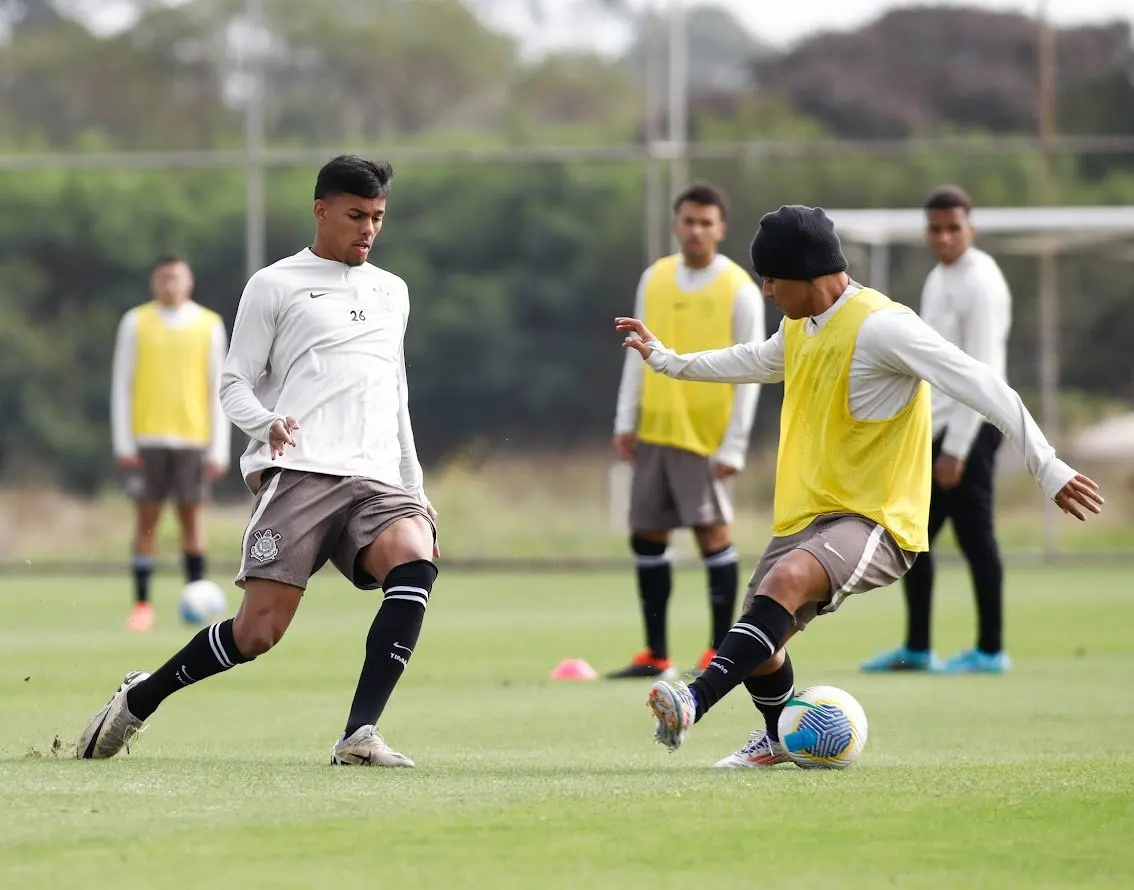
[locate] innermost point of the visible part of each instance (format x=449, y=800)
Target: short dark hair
x=168, y=259
x=949, y=197
x=352, y=175
x=704, y=194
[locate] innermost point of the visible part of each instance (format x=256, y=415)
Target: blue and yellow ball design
x=823, y=727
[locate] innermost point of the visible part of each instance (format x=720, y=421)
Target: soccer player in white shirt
x=315, y=376
x=967, y=301
x=853, y=472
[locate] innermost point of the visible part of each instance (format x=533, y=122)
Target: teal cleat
x=901, y=659
x=976, y=661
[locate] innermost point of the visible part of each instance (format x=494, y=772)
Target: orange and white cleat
x=760, y=750
x=674, y=712
x=644, y=665
x=141, y=617
x=702, y=664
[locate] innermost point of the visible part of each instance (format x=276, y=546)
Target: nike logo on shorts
x=827, y=544
x=317, y=296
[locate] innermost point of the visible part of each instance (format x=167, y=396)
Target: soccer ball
x=201, y=602
x=823, y=727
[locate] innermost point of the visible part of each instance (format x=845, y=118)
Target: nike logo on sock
x=400, y=646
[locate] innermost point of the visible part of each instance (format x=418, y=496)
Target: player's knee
x=258, y=633
x=406, y=540
x=712, y=538
x=792, y=583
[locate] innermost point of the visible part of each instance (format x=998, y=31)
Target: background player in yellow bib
x=854, y=468
x=687, y=440
x=170, y=433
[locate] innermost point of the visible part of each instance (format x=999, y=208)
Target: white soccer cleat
x=112, y=728
x=760, y=750
x=366, y=747
x=672, y=705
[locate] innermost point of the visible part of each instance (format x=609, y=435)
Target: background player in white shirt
x=316, y=377
x=967, y=301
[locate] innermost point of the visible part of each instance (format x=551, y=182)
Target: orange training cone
x=574, y=669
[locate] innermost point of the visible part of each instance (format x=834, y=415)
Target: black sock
x=724, y=579
x=655, y=580
x=194, y=567
x=391, y=640
x=143, y=569
x=752, y=641
x=987, y=574
x=918, y=588
x=212, y=651
x=770, y=693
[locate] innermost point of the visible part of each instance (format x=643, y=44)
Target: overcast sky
x=777, y=22
x=781, y=23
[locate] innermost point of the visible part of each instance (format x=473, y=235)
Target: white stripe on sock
x=218, y=649
x=724, y=558
x=772, y=702
x=419, y=590
x=424, y=601
x=651, y=562
x=755, y=633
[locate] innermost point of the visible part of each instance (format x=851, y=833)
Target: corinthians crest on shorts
x=264, y=548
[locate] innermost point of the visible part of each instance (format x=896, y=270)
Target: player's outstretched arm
x=122, y=393
x=743, y=363
x=252, y=336
x=902, y=342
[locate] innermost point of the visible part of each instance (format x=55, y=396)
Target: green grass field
x=1023, y=781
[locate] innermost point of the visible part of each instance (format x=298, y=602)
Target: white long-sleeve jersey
x=894, y=352
x=747, y=326
x=322, y=342
x=969, y=304
x=125, y=443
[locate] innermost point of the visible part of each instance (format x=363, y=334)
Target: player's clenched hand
x=637, y=335
x=280, y=434
x=625, y=445
x=130, y=463
x=1081, y=492
x=723, y=471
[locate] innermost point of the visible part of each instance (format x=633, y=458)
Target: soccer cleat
x=901, y=658
x=976, y=661
x=672, y=704
x=366, y=747
x=141, y=617
x=760, y=750
x=644, y=665
x=702, y=664
x=112, y=728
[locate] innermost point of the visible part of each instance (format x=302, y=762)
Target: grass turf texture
x=1020, y=781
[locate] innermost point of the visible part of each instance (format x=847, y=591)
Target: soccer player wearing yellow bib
x=851, y=507
x=170, y=433
x=687, y=440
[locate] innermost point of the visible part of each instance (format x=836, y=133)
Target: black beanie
x=797, y=243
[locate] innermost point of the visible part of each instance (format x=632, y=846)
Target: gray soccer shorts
x=301, y=520
x=169, y=474
x=673, y=488
x=857, y=553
